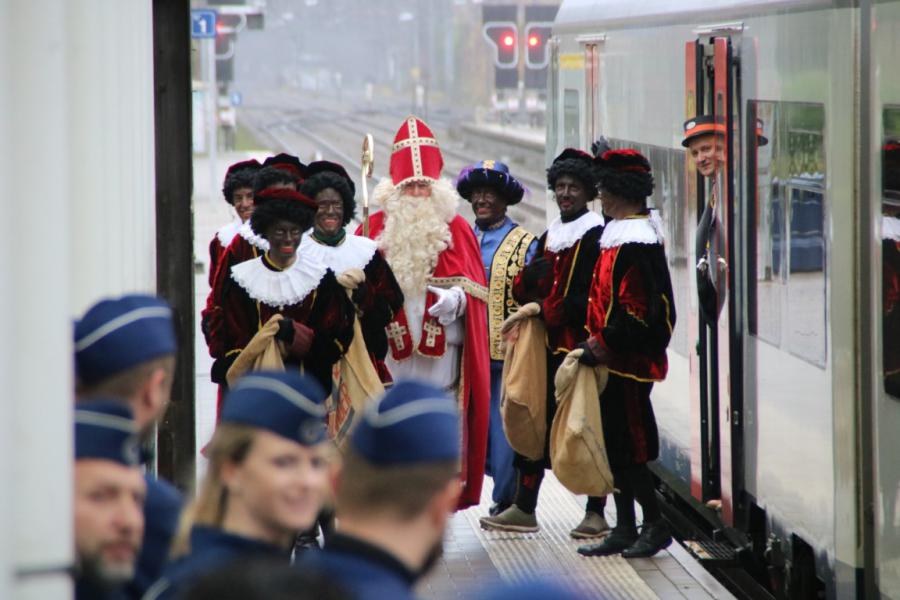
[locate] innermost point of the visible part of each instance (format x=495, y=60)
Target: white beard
x=416, y=231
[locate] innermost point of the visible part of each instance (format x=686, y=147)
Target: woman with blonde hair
x=267, y=478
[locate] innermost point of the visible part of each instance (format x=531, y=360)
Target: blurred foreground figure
x=631, y=315
x=397, y=489
x=440, y=335
x=265, y=580
x=125, y=351
x=505, y=250
x=108, y=500
x=266, y=480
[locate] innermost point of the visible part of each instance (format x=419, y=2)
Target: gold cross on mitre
x=414, y=142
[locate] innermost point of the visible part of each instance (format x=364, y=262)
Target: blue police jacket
x=211, y=548
x=161, y=511
x=85, y=590
x=366, y=571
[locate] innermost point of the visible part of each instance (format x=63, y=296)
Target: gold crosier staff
x=368, y=164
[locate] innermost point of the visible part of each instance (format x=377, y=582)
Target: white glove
x=450, y=304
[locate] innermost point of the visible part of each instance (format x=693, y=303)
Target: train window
x=571, y=120
x=890, y=250
x=789, y=299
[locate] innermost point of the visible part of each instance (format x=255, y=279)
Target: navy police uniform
x=115, y=335
x=285, y=403
x=104, y=430
x=412, y=424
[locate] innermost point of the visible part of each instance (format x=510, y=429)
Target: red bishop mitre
x=415, y=155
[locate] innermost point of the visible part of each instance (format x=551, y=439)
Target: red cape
x=463, y=260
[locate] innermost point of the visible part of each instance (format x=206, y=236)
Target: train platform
x=473, y=558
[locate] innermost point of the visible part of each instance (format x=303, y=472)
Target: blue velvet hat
x=489, y=173
x=105, y=429
x=117, y=334
x=285, y=403
x=412, y=423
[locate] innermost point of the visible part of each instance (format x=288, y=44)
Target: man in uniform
x=125, y=349
x=505, y=250
x=440, y=333
x=395, y=494
x=559, y=280
x=631, y=314
x=108, y=500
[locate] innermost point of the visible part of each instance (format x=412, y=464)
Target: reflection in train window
x=571, y=122
x=790, y=299
x=890, y=250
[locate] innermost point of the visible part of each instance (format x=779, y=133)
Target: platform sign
x=203, y=23
x=236, y=98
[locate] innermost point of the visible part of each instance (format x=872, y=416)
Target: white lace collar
x=890, y=228
x=279, y=288
x=645, y=229
x=564, y=235
x=227, y=233
x=355, y=252
x=248, y=234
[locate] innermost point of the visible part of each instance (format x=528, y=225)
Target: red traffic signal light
x=502, y=36
x=537, y=55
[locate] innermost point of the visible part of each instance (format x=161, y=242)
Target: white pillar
x=35, y=361
x=110, y=143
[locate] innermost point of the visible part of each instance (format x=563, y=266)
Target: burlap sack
x=577, y=447
x=263, y=353
x=355, y=382
x=523, y=404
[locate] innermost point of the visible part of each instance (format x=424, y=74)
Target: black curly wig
x=581, y=170
x=329, y=179
x=242, y=178
x=265, y=215
x=270, y=176
x=626, y=173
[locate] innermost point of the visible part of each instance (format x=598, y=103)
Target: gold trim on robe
x=508, y=260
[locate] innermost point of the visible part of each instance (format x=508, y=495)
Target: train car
x=778, y=418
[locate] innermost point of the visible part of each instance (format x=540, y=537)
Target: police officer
x=399, y=484
x=125, y=349
x=108, y=500
x=505, y=250
x=267, y=479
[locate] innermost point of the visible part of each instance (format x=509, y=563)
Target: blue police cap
x=532, y=589
x=117, y=334
x=412, y=423
x=493, y=174
x=286, y=403
x=105, y=429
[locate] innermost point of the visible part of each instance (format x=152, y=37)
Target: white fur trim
x=226, y=234
x=890, y=228
x=637, y=230
x=561, y=236
x=279, y=288
x=248, y=234
x=355, y=252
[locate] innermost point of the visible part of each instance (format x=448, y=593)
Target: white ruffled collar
x=355, y=252
x=227, y=232
x=279, y=288
x=644, y=229
x=248, y=234
x=561, y=236
x=890, y=228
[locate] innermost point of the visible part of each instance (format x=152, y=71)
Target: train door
x=712, y=90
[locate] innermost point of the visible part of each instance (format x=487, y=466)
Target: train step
x=718, y=553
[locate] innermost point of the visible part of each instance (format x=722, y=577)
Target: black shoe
x=615, y=542
x=654, y=537
x=498, y=507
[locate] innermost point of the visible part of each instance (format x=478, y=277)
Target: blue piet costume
x=284, y=403
x=505, y=250
x=113, y=336
x=104, y=430
x=413, y=424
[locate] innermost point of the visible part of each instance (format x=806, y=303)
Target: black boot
x=615, y=542
x=654, y=537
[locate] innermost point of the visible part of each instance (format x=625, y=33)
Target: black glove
x=587, y=358
x=220, y=368
x=537, y=270
x=285, y=331
x=361, y=294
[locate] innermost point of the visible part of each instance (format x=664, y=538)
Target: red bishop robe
x=460, y=265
